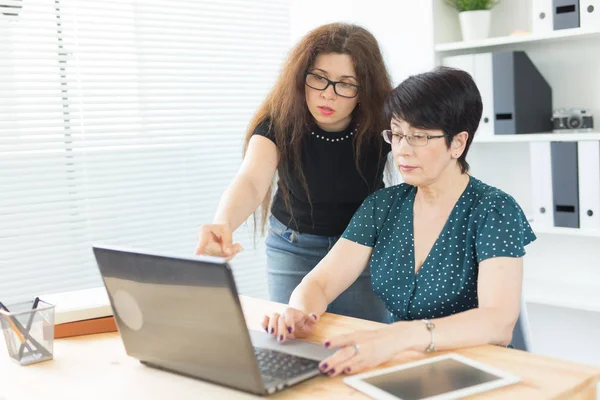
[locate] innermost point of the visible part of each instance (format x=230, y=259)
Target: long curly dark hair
x=285, y=106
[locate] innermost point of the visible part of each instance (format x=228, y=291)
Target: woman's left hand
x=361, y=350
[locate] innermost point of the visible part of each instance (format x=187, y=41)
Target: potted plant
x=475, y=16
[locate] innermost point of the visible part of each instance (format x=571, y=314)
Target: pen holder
x=29, y=333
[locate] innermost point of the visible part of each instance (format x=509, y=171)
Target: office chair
x=521, y=339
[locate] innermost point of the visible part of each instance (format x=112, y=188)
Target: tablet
x=445, y=377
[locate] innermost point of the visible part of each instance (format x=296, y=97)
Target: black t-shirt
x=334, y=183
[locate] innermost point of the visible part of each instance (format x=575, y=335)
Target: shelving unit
x=563, y=265
x=553, y=230
x=539, y=137
x=560, y=294
x=491, y=43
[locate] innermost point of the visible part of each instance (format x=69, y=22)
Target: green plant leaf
x=472, y=5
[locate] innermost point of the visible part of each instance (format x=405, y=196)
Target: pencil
x=13, y=326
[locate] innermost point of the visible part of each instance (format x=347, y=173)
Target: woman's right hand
x=291, y=324
x=215, y=240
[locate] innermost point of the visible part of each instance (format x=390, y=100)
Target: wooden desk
x=96, y=367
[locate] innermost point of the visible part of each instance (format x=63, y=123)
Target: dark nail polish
x=267, y=330
x=281, y=338
x=327, y=344
x=331, y=371
x=347, y=369
x=289, y=329
x=272, y=330
x=324, y=366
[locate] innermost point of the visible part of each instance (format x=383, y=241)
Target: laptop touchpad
x=300, y=348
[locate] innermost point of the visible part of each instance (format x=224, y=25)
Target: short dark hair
x=444, y=99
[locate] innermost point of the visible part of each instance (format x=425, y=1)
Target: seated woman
x=445, y=249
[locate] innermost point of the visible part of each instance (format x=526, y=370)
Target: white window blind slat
x=122, y=122
x=167, y=184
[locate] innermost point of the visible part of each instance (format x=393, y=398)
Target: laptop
x=183, y=315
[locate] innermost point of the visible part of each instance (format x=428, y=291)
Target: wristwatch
x=431, y=328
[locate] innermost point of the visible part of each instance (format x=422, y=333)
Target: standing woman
x=319, y=130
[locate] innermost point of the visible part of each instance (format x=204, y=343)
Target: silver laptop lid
x=181, y=314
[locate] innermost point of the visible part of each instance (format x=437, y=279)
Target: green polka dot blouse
x=484, y=223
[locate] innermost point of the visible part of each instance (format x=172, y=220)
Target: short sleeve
x=265, y=128
x=366, y=224
x=503, y=230
x=361, y=228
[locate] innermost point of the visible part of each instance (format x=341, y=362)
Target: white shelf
x=553, y=36
x=551, y=230
x=562, y=294
x=538, y=137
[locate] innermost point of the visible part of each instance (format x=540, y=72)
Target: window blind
x=122, y=122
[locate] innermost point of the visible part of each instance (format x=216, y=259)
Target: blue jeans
x=292, y=255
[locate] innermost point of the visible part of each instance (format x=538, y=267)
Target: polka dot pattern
x=484, y=223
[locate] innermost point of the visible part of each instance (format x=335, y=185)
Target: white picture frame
x=505, y=379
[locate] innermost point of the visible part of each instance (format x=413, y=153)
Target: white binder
x=542, y=16
x=485, y=83
x=588, y=160
x=480, y=68
x=589, y=14
x=466, y=63
x=541, y=184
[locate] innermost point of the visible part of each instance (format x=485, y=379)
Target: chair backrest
x=521, y=339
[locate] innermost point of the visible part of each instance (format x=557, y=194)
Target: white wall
x=508, y=16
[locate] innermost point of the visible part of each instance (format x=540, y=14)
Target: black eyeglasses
x=417, y=139
x=343, y=89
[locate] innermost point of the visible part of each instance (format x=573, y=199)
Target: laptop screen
x=181, y=314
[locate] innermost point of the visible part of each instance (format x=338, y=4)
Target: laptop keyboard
x=274, y=364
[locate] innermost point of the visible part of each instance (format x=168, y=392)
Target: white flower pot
x=475, y=24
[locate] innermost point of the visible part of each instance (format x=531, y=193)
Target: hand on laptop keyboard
x=292, y=323
x=275, y=366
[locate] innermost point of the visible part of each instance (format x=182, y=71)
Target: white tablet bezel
x=506, y=379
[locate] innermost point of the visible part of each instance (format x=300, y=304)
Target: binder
x=466, y=63
x=542, y=16
x=79, y=305
x=85, y=327
x=516, y=97
x=541, y=184
x=485, y=83
x=565, y=14
x=480, y=68
x=565, y=195
x=589, y=14
x=522, y=97
x=589, y=184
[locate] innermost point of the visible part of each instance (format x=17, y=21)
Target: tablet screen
x=431, y=379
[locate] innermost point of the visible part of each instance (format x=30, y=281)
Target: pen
x=29, y=323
